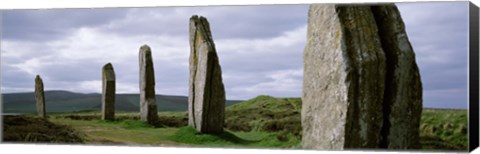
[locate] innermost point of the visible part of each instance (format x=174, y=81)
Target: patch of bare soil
x=38, y=130
x=104, y=141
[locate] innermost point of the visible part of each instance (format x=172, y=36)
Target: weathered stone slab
x=362, y=87
x=148, y=104
x=206, y=99
x=344, y=77
x=403, y=88
x=108, y=92
x=40, y=97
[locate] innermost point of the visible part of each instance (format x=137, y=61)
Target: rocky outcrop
x=108, y=92
x=40, y=97
x=206, y=99
x=403, y=89
x=148, y=104
x=356, y=80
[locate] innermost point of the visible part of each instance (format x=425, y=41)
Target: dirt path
x=90, y=135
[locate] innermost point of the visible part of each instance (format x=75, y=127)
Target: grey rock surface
x=206, y=99
x=148, y=105
x=108, y=92
x=361, y=85
x=40, y=97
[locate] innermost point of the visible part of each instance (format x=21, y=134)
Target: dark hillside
x=64, y=101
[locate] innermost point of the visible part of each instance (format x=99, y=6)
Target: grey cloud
x=438, y=33
x=49, y=24
x=259, y=21
x=225, y=21
x=263, y=62
x=172, y=76
x=14, y=80
x=75, y=71
x=444, y=79
x=450, y=98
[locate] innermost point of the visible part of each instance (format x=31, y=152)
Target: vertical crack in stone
x=403, y=94
x=351, y=126
x=379, y=87
x=208, y=85
x=390, y=88
x=364, y=49
x=193, y=31
x=210, y=70
x=194, y=39
x=348, y=113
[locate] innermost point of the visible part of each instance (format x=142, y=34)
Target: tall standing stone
x=206, y=99
x=148, y=104
x=361, y=87
x=403, y=89
x=108, y=92
x=344, y=77
x=40, y=97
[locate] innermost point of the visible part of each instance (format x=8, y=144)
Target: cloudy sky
x=260, y=48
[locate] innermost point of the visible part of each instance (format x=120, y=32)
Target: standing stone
x=362, y=87
x=148, y=105
x=206, y=99
x=344, y=77
x=108, y=92
x=403, y=88
x=40, y=97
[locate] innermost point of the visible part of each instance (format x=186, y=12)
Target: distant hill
x=65, y=101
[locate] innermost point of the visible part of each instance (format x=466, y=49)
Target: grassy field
x=444, y=129
x=262, y=122
x=129, y=131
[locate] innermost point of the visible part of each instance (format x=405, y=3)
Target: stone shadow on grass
x=192, y=136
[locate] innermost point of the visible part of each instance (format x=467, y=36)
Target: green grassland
x=261, y=122
x=444, y=129
x=129, y=131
